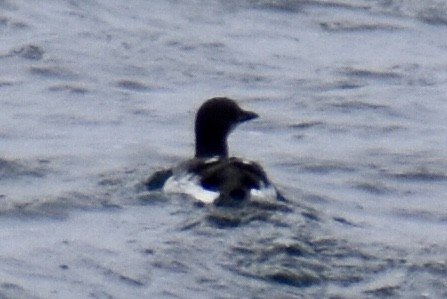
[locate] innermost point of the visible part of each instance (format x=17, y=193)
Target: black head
x=216, y=118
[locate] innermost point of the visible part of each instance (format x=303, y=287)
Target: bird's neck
x=207, y=146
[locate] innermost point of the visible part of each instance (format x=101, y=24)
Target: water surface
x=96, y=96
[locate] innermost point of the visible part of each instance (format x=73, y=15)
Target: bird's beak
x=246, y=116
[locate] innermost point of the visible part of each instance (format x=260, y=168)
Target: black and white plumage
x=211, y=176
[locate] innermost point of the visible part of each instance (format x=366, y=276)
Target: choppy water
x=96, y=95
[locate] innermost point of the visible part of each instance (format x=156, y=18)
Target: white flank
x=189, y=184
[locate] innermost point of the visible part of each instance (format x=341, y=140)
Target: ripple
x=434, y=16
x=355, y=105
x=306, y=125
x=58, y=207
x=133, y=85
x=321, y=167
x=3, y=21
x=345, y=221
x=298, y=6
x=291, y=263
x=420, y=175
x=296, y=277
x=6, y=83
x=371, y=74
x=375, y=188
x=12, y=290
x=436, y=267
x=382, y=292
x=231, y=217
x=15, y=169
x=287, y=6
x=30, y=52
x=421, y=215
x=52, y=72
x=70, y=88
x=119, y=276
x=345, y=26
x=7, y=22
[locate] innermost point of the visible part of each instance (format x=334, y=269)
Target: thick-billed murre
x=211, y=176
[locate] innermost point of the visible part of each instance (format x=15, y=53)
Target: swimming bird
x=212, y=176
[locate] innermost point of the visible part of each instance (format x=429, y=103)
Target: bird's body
x=211, y=176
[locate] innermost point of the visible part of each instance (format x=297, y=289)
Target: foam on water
x=97, y=96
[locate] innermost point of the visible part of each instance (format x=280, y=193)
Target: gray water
x=97, y=95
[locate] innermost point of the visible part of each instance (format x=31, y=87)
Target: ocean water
x=97, y=95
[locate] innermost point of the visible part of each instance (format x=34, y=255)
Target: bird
x=211, y=176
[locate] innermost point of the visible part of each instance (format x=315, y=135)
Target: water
x=96, y=95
